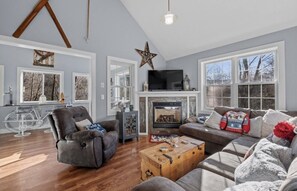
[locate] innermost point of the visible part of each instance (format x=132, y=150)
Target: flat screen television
x=171, y=80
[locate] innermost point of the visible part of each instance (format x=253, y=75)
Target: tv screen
x=165, y=80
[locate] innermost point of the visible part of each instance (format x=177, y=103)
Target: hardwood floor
x=29, y=163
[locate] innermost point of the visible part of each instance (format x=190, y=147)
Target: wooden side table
x=128, y=125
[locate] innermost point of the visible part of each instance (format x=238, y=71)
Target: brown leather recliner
x=87, y=148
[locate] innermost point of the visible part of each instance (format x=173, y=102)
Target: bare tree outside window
x=81, y=87
x=218, y=83
x=36, y=84
x=32, y=86
x=51, y=86
x=256, y=76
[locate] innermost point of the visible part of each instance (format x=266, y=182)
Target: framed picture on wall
x=43, y=58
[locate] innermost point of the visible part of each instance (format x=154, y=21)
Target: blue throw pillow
x=97, y=127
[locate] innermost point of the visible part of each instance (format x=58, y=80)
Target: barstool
x=23, y=112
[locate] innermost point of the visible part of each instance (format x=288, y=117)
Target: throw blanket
x=269, y=162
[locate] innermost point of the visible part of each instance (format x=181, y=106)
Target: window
x=121, y=83
x=256, y=81
x=80, y=87
x=251, y=79
x=34, y=83
x=218, y=83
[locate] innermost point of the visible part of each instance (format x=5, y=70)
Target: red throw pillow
x=237, y=122
x=284, y=130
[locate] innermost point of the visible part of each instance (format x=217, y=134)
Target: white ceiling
x=207, y=24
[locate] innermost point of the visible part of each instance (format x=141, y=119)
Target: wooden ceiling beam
x=33, y=14
x=52, y=14
x=29, y=18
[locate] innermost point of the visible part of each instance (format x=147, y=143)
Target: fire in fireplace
x=167, y=114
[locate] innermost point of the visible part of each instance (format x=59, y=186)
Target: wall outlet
x=102, y=84
x=102, y=96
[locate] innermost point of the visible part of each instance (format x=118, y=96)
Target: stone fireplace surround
x=189, y=100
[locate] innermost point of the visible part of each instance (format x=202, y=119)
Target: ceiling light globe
x=169, y=18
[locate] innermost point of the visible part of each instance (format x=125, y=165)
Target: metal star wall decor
x=146, y=56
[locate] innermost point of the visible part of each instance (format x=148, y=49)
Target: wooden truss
x=33, y=14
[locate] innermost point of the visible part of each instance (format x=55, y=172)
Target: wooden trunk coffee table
x=175, y=162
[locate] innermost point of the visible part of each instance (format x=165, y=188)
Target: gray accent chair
x=87, y=148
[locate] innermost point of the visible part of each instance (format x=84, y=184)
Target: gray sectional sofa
x=216, y=172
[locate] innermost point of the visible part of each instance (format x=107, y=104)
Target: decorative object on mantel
x=146, y=55
x=169, y=17
x=62, y=98
x=33, y=14
x=43, y=58
x=186, y=83
x=145, y=86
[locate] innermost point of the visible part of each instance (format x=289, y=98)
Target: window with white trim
x=249, y=79
x=34, y=83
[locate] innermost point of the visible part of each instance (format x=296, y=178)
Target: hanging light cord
x=168, y=6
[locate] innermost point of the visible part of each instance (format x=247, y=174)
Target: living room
x=105, y=61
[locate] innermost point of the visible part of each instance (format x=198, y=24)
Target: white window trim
x=134, y=86
x=74, y=74
x=20, y=70
x=278, y=47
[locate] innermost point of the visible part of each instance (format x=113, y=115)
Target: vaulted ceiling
x=207, y=24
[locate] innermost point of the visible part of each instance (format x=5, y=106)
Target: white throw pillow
x=269, y=162
x=294, y=145
x=214, y=120
x=256, y=186
x=293, y=120
x=270, y=119
x=256, y=127
x=81, y=125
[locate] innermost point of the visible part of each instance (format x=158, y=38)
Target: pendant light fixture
x=169, y=17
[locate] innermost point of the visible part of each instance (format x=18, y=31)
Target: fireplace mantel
x=146, y=98
x=167, y=93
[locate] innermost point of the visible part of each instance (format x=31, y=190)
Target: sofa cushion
x=214, y=120
x=270, y=119
x=240, y=145
x=291, y=181
x=222, y=110
x=110, y=139
x=237, y=122
x=208, y=134
x=268, y=162
x=204, y=180
x=222, y=163
x=81, y=125
x=294, y=145
x=256, y=186
x=158, y=183
x=256, y=127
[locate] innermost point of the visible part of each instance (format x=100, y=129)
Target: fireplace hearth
x=167, y=114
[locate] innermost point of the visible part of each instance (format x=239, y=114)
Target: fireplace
x=167, y=114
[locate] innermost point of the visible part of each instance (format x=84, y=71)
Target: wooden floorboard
x=30, y=163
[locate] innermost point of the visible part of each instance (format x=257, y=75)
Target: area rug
x=160, y=138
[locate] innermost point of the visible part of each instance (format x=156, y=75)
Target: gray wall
x=190, y=63
x=113, y=33
x=14, y=57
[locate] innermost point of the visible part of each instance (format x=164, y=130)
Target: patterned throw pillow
x=96, y=127
x=237, y=122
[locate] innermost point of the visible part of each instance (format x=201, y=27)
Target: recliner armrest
x=83, y=135
x=111, y=125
